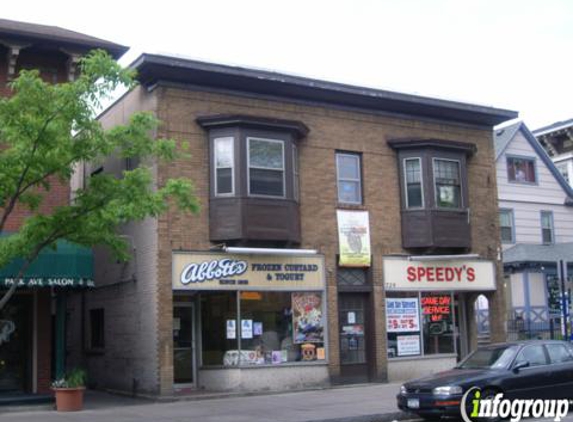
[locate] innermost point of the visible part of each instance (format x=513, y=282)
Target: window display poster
x=307, y=318
x=402, y=315
x=258, y=328
x=408, y=345
x=247, y=328
x=353, y=238
x=231, y=329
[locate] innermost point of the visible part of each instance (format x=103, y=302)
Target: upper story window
x=547, y=231
x=413, y=182
x=349, y=178
x=447, y=180
x=506, y=226
x=224, y=166
x=564, y=171
x=521, y=170
x=266, y=162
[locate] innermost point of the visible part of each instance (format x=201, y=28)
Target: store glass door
x=353, y=339
x=184, y=344
x=16, y=345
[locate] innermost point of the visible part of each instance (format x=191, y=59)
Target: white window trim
x=510, y=211
x=277, y=141
x=419, y=159
x=462, y=205
x=295, y=172
x=339, y=179
x=226, y=138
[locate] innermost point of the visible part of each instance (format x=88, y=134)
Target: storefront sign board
x=402, y=274
x=222, y=271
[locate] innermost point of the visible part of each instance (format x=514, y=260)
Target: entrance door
x=16, y=345
x=184, y=344
x=352, y=308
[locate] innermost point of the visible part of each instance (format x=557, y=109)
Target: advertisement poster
x=408, y=345
x=353, y=238
x=258, y=328
x=402, y=315
x=247, y=328
x=307, y=318
x=231, y=329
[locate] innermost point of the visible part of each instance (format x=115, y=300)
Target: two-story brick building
x=344, y=235
x=30, y=332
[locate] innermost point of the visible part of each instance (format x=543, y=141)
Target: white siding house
x=536, y=220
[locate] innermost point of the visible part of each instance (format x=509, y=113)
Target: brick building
x=344, y=234
x=29, y=340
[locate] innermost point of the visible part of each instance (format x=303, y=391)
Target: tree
x=45, y=132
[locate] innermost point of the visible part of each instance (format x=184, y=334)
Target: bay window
x=447, y=183
x=413, y=182
x=224, y=166
x=266, y=167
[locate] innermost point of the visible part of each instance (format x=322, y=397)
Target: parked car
x=523, y=369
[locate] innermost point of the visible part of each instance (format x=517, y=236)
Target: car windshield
x=489, y=358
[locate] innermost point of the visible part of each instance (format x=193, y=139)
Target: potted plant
x=69, y=391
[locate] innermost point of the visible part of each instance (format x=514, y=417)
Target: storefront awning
x=67, y=265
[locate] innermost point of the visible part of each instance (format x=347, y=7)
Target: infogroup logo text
x=515, y=409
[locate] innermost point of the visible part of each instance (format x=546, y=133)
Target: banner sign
x=402, y=315
x=222, y=271
x=353, y=238
x=46, y=282
x=402, y=274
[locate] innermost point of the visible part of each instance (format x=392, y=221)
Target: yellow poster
x=353, y=238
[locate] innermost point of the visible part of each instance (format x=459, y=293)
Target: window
x=420, y=323
x=564, y=172
x=547, y=234
x=224, y=164
x=97, y=329
x=558, y=353
x=349, y=178
x=413, y=181
x=521, y=170
x=267, y=328
x=506, y=226
x=532, y=354
x=448, y=183
x=296, y=182
x=266, y=167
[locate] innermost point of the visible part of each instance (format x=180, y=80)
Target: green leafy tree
x=45, y=132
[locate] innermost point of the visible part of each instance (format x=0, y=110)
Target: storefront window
x=419, y=323
x=438, y=323
x=219, y=326
x=269, y=328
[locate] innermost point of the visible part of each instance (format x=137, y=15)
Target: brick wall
x=330, y=130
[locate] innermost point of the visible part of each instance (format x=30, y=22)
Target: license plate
x=413, y=403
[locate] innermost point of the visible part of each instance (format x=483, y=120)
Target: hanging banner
x=307, y=318
x=353, y=238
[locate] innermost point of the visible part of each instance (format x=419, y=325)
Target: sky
x=513, y=54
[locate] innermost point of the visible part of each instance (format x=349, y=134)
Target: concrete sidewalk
x=362, y=403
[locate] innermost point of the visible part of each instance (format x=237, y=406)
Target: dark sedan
x=528, y=369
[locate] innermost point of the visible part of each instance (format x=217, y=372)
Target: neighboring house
x=536, y=225
x=29, y=322
x=254, y=293
x=557, y=140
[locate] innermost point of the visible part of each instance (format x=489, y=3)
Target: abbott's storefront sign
x=222, y=271
x=403, y=274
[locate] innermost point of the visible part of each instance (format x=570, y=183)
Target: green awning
x=68, y=265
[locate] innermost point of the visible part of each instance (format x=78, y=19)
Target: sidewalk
x=362, y=403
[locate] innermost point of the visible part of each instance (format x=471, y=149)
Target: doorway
x=184, y=363
x=353, y=331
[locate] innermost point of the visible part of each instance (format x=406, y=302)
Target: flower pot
x=69, y=399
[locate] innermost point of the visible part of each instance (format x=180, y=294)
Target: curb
x=378, y=417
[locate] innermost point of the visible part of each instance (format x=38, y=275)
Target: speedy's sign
x=402, y=274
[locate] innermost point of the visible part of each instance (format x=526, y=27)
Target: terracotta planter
x=69, y=399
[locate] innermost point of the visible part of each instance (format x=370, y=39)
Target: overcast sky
x=514, y=54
